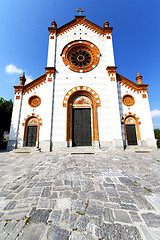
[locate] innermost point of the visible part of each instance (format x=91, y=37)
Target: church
x=81, y=99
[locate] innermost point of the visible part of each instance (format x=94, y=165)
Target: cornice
x=80, y=20
x=50, y=70
x=52, y=30
x=131, y=85
x=111, y=70
x=18, y=88
x=31, y=86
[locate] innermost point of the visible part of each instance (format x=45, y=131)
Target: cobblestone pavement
x=64, y=195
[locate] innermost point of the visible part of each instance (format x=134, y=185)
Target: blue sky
x=24, y=39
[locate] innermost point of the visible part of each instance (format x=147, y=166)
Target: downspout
x=53, y=92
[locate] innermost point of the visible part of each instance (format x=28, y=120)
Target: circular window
x=34, y=101
x=128, y=100
x=80, y=56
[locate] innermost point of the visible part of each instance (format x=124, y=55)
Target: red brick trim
x=131, y=85
x=80, y=20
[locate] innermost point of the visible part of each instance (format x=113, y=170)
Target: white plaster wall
x=140, y=108
x=43, y=110
x=15, y=115
x=97, y=79
x=51, y=50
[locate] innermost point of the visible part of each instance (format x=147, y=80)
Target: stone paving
x=65, y=195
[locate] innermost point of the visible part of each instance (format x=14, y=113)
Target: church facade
x=81, y=100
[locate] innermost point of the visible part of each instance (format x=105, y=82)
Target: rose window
x=80, y=56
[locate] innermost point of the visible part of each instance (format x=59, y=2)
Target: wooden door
x=131, y=134
x=31, y=136
x=81, y=127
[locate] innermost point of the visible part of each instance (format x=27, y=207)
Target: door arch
x=131, y=128
x=81, y=121
x=31, y=133
x=31, y=130
x=94, y=103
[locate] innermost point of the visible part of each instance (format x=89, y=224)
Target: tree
x=5, y=117
x=157, y=136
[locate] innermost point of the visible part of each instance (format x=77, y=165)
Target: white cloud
x=11, y=69
x=155, y=113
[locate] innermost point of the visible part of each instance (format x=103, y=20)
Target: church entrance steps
x=138, y=149
x=26, y=150
x=81, y=150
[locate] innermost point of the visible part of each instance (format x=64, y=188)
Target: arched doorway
x=81, y=122
x=31, y=132
x=82, y=103
x=130, y=130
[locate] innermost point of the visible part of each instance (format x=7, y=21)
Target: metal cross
x=80, y=11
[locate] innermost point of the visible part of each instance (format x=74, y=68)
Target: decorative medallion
x=80, y=56
x=81, y=101
x=34, y=101
x=128, y=100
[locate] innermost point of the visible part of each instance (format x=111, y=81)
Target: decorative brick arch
x=25, y=122
x=82, y=89
x=68, y=102
x=137, y=123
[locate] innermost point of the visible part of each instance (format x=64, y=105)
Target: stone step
x=137, y=149
x=26, y=150
x=81, y=150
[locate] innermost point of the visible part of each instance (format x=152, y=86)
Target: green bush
x=157, y=136
x=158, y=143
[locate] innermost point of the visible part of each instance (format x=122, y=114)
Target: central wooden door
x=81, y=127
x=31, y=136
x=131, y=134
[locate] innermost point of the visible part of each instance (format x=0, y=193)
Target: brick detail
x=144, y=95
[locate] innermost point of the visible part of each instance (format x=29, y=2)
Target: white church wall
x=43, y=111
x=14, y=121
x=142, y=110
x=97, y=79
x=51, y=50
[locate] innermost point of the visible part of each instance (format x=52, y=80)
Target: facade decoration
x=128, y=100
x=81, y=101
x=80, y=56
x=81, y=97
x=34, y=101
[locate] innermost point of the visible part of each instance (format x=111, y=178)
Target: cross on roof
x=80, y=11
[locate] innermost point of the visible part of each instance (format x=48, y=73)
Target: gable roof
x=133, y=86
x=32, y=85
x=83, y=21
